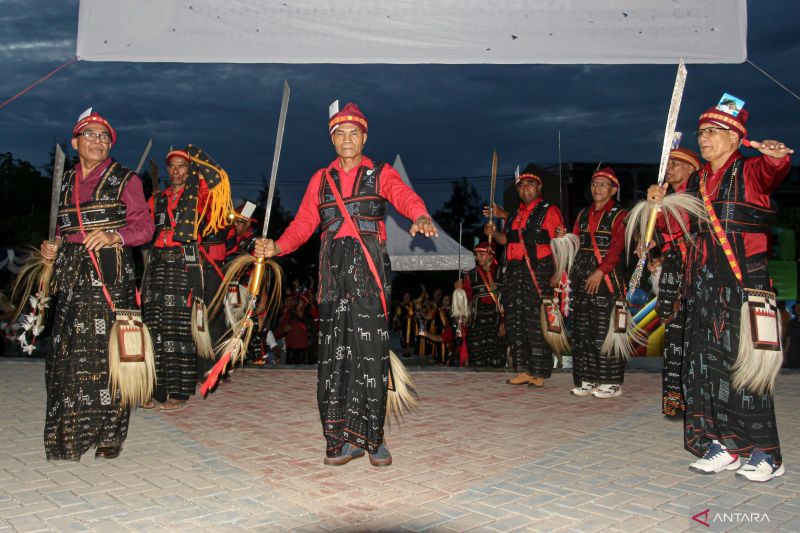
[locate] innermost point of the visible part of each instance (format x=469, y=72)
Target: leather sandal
x=108, y=452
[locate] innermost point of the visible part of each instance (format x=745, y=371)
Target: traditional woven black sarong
x=168, y=316
x=737, y=418
x=591, y=314
x=529, y=351
x=81, y=413
x=484, y=346
x=590, y=317
x=353, y=347
x=671, y=314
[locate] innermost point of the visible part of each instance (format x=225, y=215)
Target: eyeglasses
x=94, y=136
x=710, y=131
x=601, y=185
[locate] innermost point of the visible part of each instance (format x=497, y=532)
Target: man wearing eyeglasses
x=729, y=406
x=102, y=211
x=598, y=285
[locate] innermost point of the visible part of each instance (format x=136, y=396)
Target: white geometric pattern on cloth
x=105, y=397
x=99, y=326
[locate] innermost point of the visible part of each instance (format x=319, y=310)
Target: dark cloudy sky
x=443, y=120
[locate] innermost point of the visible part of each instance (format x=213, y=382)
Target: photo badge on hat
x=676, y=139
x=730, y=104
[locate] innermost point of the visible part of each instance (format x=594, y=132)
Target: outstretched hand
x=425, y=226
x=775, y=149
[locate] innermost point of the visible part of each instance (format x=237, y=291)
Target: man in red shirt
x=173, y=289
x=682, y=164
x=729, y=415
x=526, y=272
x=598, y=285
x=354, y=285
x=486, y=332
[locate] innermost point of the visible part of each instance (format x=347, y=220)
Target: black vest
x=105, y=211
x=365, y=206
x=479, y=290
x=603, y=231
x=735, y=214
x=532, y=233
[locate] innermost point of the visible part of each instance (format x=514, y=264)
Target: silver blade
x=144, y=157
x=276, y=157
x=492, y=186
x=672, y=120
x=55, y=194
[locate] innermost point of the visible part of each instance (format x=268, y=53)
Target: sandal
x=149, y=404
x=173, y=405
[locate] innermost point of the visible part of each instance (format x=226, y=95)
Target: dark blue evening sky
x=444, y=120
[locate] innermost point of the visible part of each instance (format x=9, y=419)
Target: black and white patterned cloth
x=168, y=315
x=81, y=413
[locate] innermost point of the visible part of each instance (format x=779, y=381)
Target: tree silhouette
x=465, y=205
x=26, y=212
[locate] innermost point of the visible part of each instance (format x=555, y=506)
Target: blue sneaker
x=760, y=467
x=349, y=452
x=382, y=457
x=715, y=460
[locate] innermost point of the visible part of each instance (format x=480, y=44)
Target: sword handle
x=256, y=277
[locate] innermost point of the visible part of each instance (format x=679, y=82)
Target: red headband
x=94, y=118
x=350, y=114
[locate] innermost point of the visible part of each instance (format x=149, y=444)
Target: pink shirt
x=139, y=226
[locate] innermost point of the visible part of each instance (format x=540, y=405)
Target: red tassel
x=214, y=373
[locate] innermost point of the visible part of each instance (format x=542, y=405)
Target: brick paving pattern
x=480, y=455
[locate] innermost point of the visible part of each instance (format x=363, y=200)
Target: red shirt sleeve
x=139, y=225
x=306, y=220
x=401, y=196
x=552, y=219
x=468, y=286
x=763, y=175
x=612, y=256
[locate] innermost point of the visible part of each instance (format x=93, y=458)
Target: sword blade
x=492, y=185
x=672, y=120
x=144, y=157
x=55, y=193
x=276, y=157
x=154, y=175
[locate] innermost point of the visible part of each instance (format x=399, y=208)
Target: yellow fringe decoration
x=402, y=395
x=200, y=331
x=35, y=276
x=134, y=380
x=219, y=204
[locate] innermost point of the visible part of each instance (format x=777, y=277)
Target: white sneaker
x=760, y=467
x=715, y=460
x=607, y=391
x=585, y=389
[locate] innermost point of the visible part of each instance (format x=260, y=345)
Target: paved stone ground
x=480, y=455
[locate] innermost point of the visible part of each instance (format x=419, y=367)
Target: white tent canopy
x=413, y=31
x=420, y=252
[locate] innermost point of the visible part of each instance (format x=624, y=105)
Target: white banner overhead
x=413, y=31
